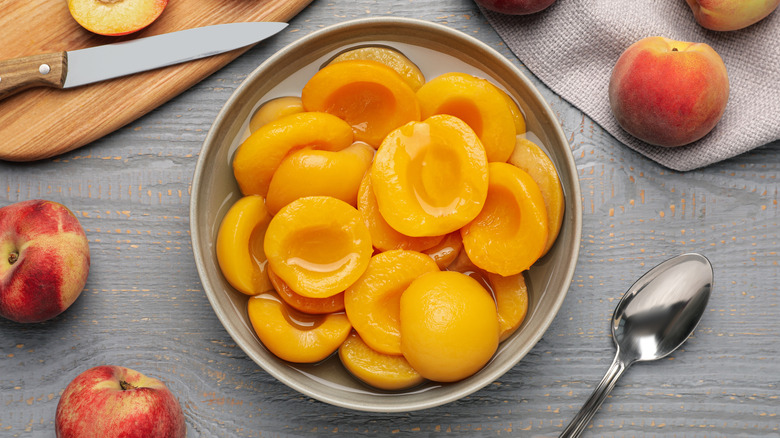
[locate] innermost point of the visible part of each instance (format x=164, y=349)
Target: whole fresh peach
x=113, y=401
x=515, y=7
x=730, y=14
x=115, y=17
x=44, y=260
x=668, y=93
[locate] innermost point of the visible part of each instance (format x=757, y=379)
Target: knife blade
x=85, y=66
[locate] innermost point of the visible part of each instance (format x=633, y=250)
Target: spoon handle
x=583, y=417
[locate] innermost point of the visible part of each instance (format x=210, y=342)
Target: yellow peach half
x=477, y=102
x=449, y=326
x=372, y=302
x=240, y=245
x=447, y=250
x=258, y=157
x=379, y=370
x=510, y=293
x=510, y=233
x=430, y=177
x=383, y=236
x=312, y=172
x=517, y=113
x=389, y=57
x=296, y=336
x=532, y=159
x=314, y=306
x=275, y=109
x=318, y=245
x=372, y=97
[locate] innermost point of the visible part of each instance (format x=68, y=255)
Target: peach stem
x=126, y=385
x=13, y=257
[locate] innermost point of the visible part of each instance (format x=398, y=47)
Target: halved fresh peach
x=296, y=336
x=477, y=102
x=240, y=245
x=115, y=17
x=389, y=57
x=449, y=326
x=312, y=172
x=275, y=109
x=530, y=157
x=447, y=250
x=379, y=370
x=372, y=301
x=258, y=157
x=430, y=177
x=318, y=245
x=383, y=236
x=314, y=306
x=372, y=97
x=510, y=232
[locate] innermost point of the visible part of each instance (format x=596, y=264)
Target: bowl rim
x=566, y=163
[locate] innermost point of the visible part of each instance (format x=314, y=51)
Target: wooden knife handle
x=48, y=69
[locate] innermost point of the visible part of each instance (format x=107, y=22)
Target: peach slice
x=258, y=157
x=517, y=113
x=314, y=306
x=530, y=157
x=430, y=178
x=115, y=17
x=318, y=245
x=372, y=97
x=449, y=326
x=275, y=109
x=296, y=336
x=389, y=57
x=311, y=172
x=447, y=250
x=372, y=303
x=511, y=295
x=383, y=236
x=477, y=102
x=379, y=370
x=510, y=232
x=240, y=245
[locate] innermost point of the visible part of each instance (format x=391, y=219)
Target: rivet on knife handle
x=17, y=74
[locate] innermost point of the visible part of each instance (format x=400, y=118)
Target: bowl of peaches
x=385, y=215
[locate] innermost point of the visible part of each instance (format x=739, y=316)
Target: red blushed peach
x=44, y=260
x=108, y=401
x=726, y=15
x=668, y=93
x=516, y=7
x=115, y=17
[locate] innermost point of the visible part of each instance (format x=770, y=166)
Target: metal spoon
x=655, y=316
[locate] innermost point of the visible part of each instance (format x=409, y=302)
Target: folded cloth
x=573, y=45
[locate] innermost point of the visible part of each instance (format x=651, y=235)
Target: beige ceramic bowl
x=435, y=49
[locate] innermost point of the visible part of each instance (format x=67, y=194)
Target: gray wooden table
x=144, y=307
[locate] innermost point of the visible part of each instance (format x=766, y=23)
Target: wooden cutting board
x=41, y=122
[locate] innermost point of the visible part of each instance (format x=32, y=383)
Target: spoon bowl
x=655, y=316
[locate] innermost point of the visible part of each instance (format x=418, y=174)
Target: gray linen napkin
x=573, y=45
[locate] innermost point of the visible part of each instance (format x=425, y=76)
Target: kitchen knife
x=85, y=66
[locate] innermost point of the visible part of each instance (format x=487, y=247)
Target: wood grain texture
x=73, y=117
x=45, y=70
x=144, y=307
